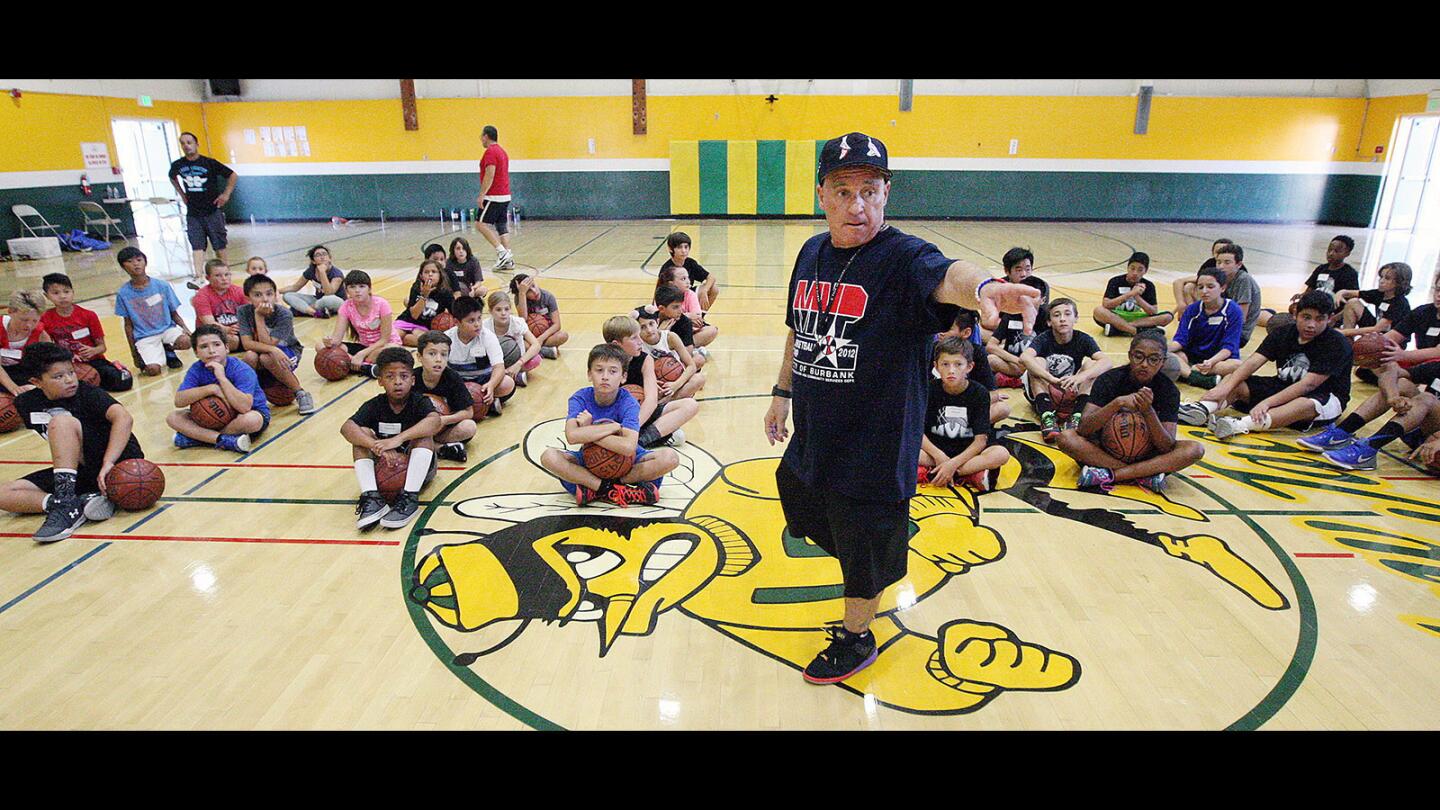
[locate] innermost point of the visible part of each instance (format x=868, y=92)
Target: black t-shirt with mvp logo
x=1329, y=353
x=862, y=361
x=954, y=420
x=203, y=179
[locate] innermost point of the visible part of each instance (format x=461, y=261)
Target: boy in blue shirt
x=606, y=414
x=216, y=373
x=153, y=325
x=1207, y=343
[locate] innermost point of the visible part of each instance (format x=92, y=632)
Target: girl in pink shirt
x=371, y=318
x=678, y=277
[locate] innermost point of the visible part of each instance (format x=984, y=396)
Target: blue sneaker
x=1357, y=456
x=185, y=442
x=1091, y=477
x=1331, y=438
x=234, y=443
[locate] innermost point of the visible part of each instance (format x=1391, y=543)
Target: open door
x=1407, y=221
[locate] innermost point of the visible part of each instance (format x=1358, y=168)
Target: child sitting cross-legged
x=965, y=326
x=531, y=300
x=78, y=329
x=1129, y=303
x=1207, y=342
x=435, y=377
x=371, y=318
x=398, y=419
x=955, y=448
x=665, y=407
x=429, y=296
x=604, y=413
x=475, y=354
x=218, y=301
x=267, y=334
x=151, y=312
x=216, y=374
x=518, y=346
x=1064, y=358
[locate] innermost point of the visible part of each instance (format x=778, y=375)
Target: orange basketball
x=279, y=394
x=9, y=415
x=668, y=368
x=1064, y=401
x=135, y=484
x=477, y=397
x=333, y=363
x=604, y=463
x=538, y=323
x=636, y=391
x=212, y=412
x=1126, y=437
x=86, y=373
x=442, y=321
x=440, y=404
x=1368, y=348
x=390, y=469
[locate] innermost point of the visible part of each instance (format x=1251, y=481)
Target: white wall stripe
x=63, y=177
x=455, y=166
x=1144, y=166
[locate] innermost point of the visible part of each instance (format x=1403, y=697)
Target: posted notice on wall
x=97, y=156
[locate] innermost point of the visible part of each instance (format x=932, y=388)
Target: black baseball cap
x=855, y=149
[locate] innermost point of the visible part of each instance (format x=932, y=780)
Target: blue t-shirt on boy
x=241, y=376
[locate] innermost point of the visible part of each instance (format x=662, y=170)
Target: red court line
x=1324, y=556
x=47, y=462
x=306, y=541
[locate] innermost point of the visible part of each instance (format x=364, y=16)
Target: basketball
x=538, y=323
x=135, y=484
x=1368, y=348
x=636, y=391
x=668, y=368
x=442, y=321
x=440, y=404
x=278, y=393
x=604, y=463
x=87, y=373
x=333, y=363
x=477, y=395
x=9, y=416
x=1064, y=401
x=511, y=349
x=1126, y=437
x=212, y=412
x=390, y=469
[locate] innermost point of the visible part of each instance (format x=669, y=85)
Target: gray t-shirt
x=280, y=324
x=1243, y=289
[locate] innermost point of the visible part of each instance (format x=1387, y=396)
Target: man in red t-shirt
x=494, y=199
x=219, y=301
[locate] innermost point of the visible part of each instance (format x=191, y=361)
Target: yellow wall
x=43, y=131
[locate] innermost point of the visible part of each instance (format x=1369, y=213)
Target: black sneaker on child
x=371, y=508
x=650, y=438
x=452, y=451
x=172, y=359
x=847, y=654
x=61, y=520
x=404, y=510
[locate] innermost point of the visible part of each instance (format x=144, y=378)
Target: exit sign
x=146, y=101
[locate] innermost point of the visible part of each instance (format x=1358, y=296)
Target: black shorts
x=659, y=409
x=199, y=227
x=495, y=213
x=112, y=377
x=1262, y=388
x=870, y=539
x=87, y=478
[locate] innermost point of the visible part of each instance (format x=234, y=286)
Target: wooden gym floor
x=1266, y=591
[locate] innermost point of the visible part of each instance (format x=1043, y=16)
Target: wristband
x=777, y=391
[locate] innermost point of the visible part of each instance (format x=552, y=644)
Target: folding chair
x=96, y=215
x=168, y=210
x=23, y=211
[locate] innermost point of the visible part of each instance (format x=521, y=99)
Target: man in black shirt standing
x=865, y=302
x=197, y=179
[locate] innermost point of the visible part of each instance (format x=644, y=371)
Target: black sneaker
x=453, y=451
x=172, y=359
x=371, y=508
x=650, y=438
x=61, y=521
x=847, y=654
x=404, y=510
x=192, y=284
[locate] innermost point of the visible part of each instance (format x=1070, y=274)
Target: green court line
x=302, y=501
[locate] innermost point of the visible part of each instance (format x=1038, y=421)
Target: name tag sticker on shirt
x=153, y=300
x=1383, y=307
x=389, y=428
x=1433, y=331
x=81, y=333
x=1017, y=324
x=1215, y=320
x=40, y=418
x=1435, y=385
x=1124, y=290
x=13, y=354
x=1323, y=277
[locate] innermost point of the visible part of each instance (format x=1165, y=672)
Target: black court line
x=961, y=244
x=146, y=519
x=46, y=581
x=582, y=247
x=663, y=240
x=1247, y=249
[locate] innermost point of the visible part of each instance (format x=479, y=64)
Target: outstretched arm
x=971, y=286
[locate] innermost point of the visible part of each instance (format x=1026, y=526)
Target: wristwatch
x=777, y=391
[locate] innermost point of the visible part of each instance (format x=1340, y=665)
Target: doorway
x=146, y=147
x=1407, y=221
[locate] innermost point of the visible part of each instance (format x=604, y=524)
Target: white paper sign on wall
x=97, y=155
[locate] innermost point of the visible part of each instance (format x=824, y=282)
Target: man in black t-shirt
x=88, y=433
x=864, y=304
x=956, y=446
x=1136, y=387
x=1312, y=385
x=701, y=281
x=1065, y=359
x=197, y=179
x=399, y=419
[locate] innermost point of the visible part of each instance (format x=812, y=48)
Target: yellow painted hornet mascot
x=716, y=548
